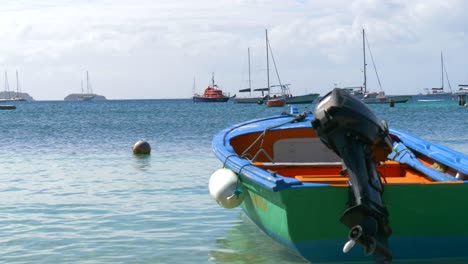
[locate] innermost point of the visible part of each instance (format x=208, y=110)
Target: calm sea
x=71, y=190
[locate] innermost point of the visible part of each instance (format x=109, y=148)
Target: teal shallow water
x=71, y=190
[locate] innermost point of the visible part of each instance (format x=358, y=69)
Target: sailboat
x=275, y=93
x=371, y=97
x=437, y=93
x=88, y=96
x=283, y=89
x=250, y=99
x=275, y=97
x=6, y=94
x=18, y=96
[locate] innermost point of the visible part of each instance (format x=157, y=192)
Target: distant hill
x=84, y=97
x=10, y=95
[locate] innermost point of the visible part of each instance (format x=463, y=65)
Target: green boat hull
x=428, y=221
x=302, y=99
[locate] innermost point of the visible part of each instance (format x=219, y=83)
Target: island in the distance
x=84, y=97
x=15, y=96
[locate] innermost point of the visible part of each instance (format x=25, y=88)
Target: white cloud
x=153, y=49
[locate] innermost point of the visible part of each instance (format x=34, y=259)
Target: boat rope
x=264, y=152
x=242, y=167
x=246, y=124
x=382, y=175
x=373, y=64
x=297, y=118
x=237, y=191
x=276, y=69
x=397, y=153
x=226, y=159
x=448, y=81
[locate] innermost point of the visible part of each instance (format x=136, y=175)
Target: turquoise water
x=71, y=190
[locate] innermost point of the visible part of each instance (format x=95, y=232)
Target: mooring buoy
x=142, y=147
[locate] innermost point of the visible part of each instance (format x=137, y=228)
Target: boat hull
x=434, y=97
x=387, y=99
x=210, y=99
x=427, y=220
x=310, y=225
x=7, y=107
x=302, y=99
x=276, y=103
x=248, y=100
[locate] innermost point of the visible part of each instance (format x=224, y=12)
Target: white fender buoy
x=225, y=189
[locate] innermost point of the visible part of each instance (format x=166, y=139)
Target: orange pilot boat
x=211, y=94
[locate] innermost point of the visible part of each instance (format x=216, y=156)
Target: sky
x=163, y=49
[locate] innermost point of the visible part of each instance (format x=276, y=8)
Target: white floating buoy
x=225, y=188
x=142, y=147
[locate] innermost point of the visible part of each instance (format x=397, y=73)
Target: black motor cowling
x=348, y=127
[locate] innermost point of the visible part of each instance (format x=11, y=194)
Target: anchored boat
x=371, y=97
x=212, y=94
x=339, y=185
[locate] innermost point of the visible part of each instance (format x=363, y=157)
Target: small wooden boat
x=212, y=94
x=276, y=102
x=297, y=176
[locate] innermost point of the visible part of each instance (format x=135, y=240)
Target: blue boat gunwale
x=434, y=151
x=275, y=182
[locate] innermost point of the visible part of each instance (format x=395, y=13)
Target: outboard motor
x=348, y=127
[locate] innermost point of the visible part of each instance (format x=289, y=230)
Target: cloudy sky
x=152, y=49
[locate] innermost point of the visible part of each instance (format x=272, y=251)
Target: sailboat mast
x=268, y=66
x=250, y=81
x=364, y=52
x=89, y=90
x=442, y=69
x=7, y=88
x=193, y=87
x=17, y=84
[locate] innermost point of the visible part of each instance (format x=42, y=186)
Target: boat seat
x=298, y=164
x=299, y=150
x=337, y=179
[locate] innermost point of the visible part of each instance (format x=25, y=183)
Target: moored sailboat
x=273, y=98
x=437, y=93
x=249, y=99
x=89, y=95
x=18, y=95
x=371, y=97
x=277, y=97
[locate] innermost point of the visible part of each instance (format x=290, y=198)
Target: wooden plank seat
x=409, y=178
